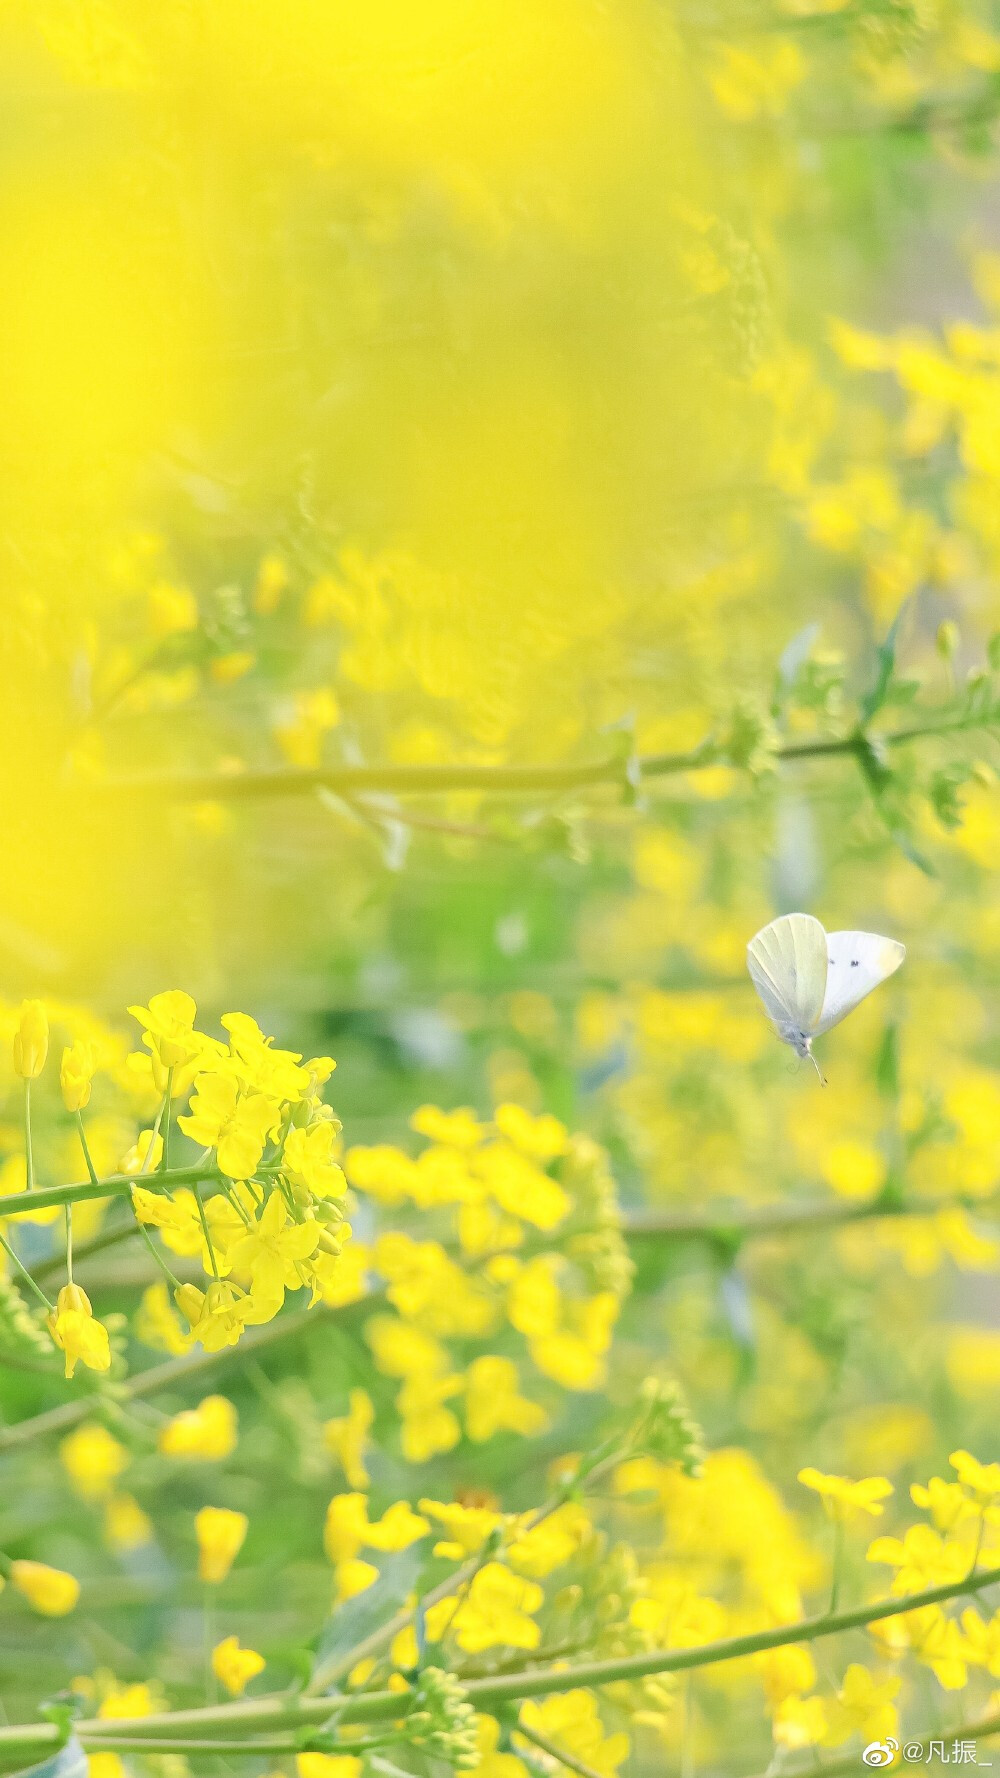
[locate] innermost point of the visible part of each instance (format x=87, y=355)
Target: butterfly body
x=809, y=979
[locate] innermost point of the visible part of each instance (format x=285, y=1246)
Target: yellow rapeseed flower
x=236, y=1124
x=49, y=1590
x=220, y=1533
x=307, y=1160
x=844, y=1498
x=76, y=1074
x=31, y=1040
x=168, y=1027
x=327, y=1765
x=235, y=1666
x=93, y=1460
x=77, y=1332
x=205, y=1434
x=345, y=1437
x=272, y=1250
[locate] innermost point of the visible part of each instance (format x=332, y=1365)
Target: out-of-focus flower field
x=499, y=501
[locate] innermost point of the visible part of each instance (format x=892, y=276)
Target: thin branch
x=562, y=1754
x=509, y=780
x=339, y=1666
x=785, y=1219
x=285, y=1711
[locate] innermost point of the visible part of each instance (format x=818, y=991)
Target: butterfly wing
x=857, y=963
x=787, y=962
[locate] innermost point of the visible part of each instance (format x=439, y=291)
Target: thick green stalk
x=159, y=1376
x=288, y=1712
x=116, y=1185
x=431, y=780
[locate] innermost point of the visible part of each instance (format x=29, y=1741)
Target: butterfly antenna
x=819, y=1071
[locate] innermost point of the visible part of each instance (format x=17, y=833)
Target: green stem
x=26, y=1275
x=114, y=1185
x=979, y=1540
x=435, y=780
x=283, y=1711
x=554, y=1751
x=208, y=1643
x=69, y=1243
x=328, y=1673
x=157, y=1255
x=207, y=1234
x=29, y=1161
x=85, y=1145
x=838, y=1563
x=786, y=1219
x=165, y=1121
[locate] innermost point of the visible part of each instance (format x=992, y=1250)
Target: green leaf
x=886, y=667
x=357, y=1618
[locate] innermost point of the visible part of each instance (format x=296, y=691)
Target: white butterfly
x=810, y=979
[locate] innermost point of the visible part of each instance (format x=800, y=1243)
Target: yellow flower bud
x=76, y=1074
x=31, y=1040
x=234, y=1665
x=220, y=1535
x=49, y=1590
x=77, y=1332
x=144, y=1154
x=190, y=1301
x=203, y=1434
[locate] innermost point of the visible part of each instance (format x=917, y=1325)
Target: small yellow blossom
x=493, y=1402
x=491, y=1763
x=76, y=1074
x=272, y=579
x=218, y=1315
x=982, y=1478
x=105, y=1765
x=982, y=1640
x=456, y=1129
x=846, y=1499
x=235, y=1666
x=145, y=1153
x=137, y=1699
x=205, y=1434
x=347, y=1528
x=327, y=1765
x=947, y=1502
x=49, y=1590
x=572, y=1720
x=168, y=1027
x=345, y=1438
x=220, y=1533
x=495, y=1612
x=799, y=1722
x=31, y=1040
x=237, y=1125
x=93, y=1460
x=540, y=1137
x=921, y=1559
x=863, y=1705
x=466, y=1528
x=77, y=1332
x=273, y=1249
x=156, y=1323
x=307, y=1160
x=126, y=1526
